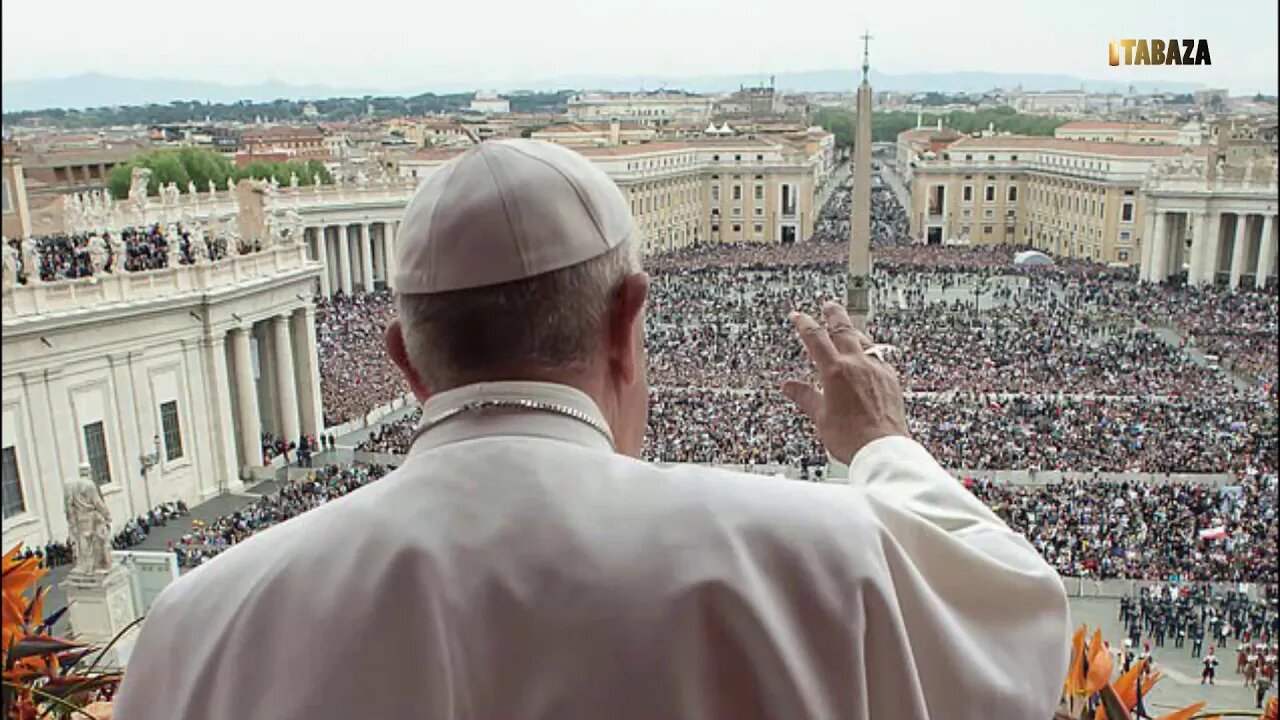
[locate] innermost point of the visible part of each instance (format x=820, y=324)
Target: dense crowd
x=392, y=437
x=207, y=540
x=355, y=374
x=67, y=256
x=1153, y=531
x=888, y=218
x=137, y=529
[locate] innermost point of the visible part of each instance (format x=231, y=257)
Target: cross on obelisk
x=858, y=291
x=866, y=56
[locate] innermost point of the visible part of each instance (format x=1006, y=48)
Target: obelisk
x=858, y=289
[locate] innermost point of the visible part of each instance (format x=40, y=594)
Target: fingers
x=843, y=334
x=806, y=397
x=816, y=341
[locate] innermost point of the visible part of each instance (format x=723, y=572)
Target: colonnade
x=356, y=256
x=1224, y=247
x=282, y=397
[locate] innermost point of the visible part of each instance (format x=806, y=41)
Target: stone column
x=366, y=256
x=388, y=252
x=1239, y=249
x=1266, y=253
x=344, y=261
x=379, y=254
x=307, y=371
x=286, y=387
x=322, y=254
x=247, y=396
x=218, y=386
x=1160, y=250
x=1201, y=243
x=1144, y=252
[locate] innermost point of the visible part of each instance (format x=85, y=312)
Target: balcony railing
x=33, y=301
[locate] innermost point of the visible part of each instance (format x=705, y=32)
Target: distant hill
x=97, y=90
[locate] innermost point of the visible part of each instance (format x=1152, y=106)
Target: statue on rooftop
x=97, y=254
x=30, y=261
x=10, y=263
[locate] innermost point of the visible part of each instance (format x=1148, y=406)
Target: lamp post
x=148, y=461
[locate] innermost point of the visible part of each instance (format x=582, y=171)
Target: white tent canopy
x=1032, y=257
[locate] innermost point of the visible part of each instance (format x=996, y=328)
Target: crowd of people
x=355, y=374
x=137, y=529
x=65, y=256
x=207, y=540
x=1184, y=531
x=393, y=436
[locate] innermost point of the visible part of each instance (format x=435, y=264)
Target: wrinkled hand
x=860, y=400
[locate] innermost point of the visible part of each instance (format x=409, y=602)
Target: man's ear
x=400, y=356
x=626, y=329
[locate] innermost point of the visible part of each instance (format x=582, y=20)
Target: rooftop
x=1087, y=147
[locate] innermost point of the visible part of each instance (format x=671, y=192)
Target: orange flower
x=1074, y=684
x=1100, y=667
x=1185, y=713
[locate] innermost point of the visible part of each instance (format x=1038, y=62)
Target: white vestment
x=516, y=567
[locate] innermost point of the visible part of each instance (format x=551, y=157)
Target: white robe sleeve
x=986, y=617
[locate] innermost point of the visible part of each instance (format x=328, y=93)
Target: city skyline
x=575, y=39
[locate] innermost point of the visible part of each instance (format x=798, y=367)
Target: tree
x=838, y=122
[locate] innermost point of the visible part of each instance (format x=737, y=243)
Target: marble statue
x=199, y=248
x=191, y=190
x=293, y=181
x=97, y=254
x=30, y=261
x=315, y=178
x=213, y=189
x=10, y=263
x=118, y=254
x=362, y=180
x=138, y=183
x=89, y=522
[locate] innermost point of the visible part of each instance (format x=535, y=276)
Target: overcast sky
x=409, y=46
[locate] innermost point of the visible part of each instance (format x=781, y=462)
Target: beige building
x=17, y=213
x=1072, y=198
x=706, y=190
x=162, y=380
x=1125, y=132
x=653, y=108
x=584, y=135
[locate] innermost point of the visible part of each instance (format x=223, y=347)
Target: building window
x=1013, y=158
x=991, y=158
x=759, y=192
x=987, y=229
x=737, y=158
x=988, y=212
x=758, y=211
x=760, y=158
x=737, y=192
x=759, y=228
x=1013, y=193
x=966, y=212
x=990, y=194
x=968, y=157
x=172, y=430
x=737, y=212
x=968, y=193
x=1126, y=212
x=737, y=228
x=715, y=228
x=715, y=158
x=95, y=446
x=1125, y=236
x=14, y=502
x=1123, y=255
